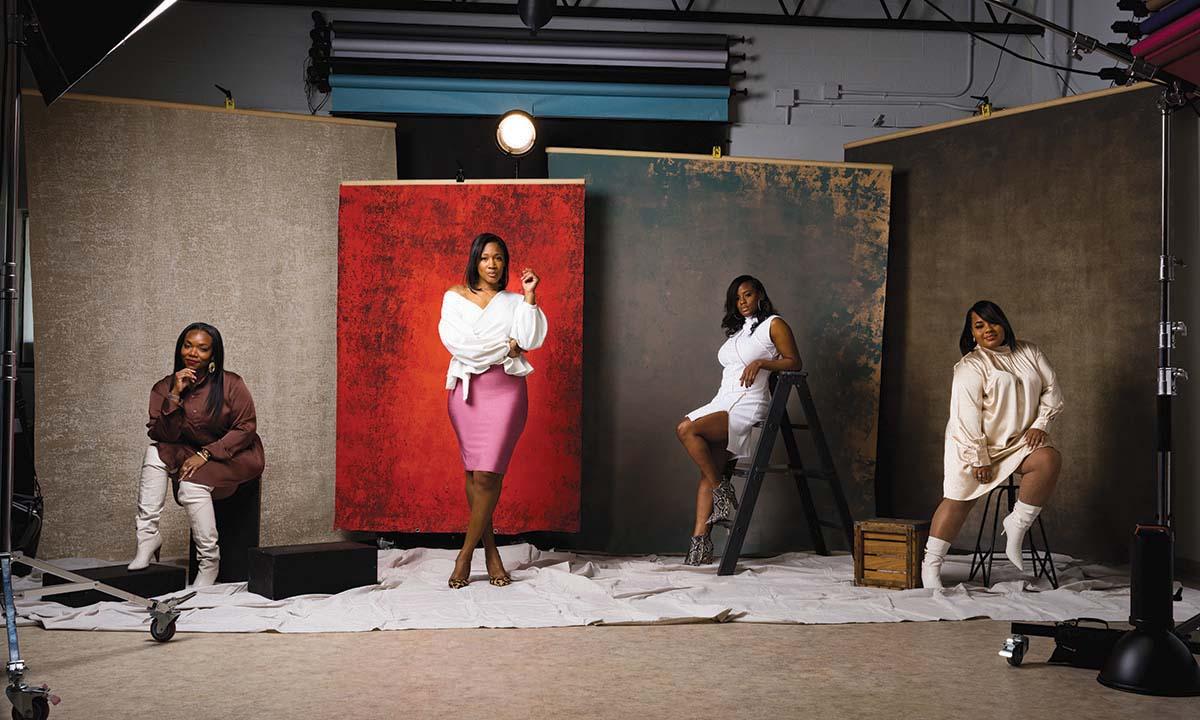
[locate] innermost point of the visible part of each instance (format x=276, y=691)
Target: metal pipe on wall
x=871, y=92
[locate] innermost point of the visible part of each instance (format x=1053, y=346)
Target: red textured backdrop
x=400, y=247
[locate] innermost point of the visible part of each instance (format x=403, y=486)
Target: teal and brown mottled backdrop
x=665, y=236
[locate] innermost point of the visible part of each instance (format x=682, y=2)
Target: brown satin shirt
x=179, y=429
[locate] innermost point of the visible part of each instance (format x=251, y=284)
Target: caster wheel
x=1014, y=649
x=41, y=710
x=161, y=631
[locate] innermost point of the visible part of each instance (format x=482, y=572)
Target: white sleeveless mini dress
x=745, y=405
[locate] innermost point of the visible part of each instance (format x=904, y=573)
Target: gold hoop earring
x=212, y=367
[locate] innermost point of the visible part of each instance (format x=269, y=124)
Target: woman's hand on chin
x=184, y=379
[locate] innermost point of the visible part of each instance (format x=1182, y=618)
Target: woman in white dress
x=759, y=343
x=487, y=331
x=1002, y=401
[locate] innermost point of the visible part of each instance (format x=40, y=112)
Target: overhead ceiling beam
x=671, y=15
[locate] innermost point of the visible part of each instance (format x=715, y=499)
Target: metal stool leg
x=991, y=552
x=983, y=556
x=1047, y=558
x=977, y=557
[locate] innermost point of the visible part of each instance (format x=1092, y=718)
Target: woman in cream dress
x=1003, y=399
x=759, y=343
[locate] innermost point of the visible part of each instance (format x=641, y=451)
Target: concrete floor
x=901, y=670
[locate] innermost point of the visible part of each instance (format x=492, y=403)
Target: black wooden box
x=155, y=580
x=320, y=568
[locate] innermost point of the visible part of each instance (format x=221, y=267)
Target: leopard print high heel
x=459, y=583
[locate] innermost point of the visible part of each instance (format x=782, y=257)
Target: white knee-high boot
x=1016, y=524
x=197, y=501
x=152, y=494
x=931, y=566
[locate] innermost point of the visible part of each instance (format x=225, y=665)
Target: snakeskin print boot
x=701, y=551
x=725, y=504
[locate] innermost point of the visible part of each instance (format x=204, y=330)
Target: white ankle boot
x=931, y=566
x=1016, y=524
x=152, y=494
x=197, y=501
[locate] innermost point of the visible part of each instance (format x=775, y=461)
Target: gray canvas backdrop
x=145, y=217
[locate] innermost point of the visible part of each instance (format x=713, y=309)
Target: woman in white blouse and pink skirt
x=1003, y=399
x=488, y=330
x=758, y=343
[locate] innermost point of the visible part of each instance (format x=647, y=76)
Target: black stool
x=981, y=559
x=237, y=532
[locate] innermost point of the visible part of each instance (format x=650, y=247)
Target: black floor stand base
x=1152, y=662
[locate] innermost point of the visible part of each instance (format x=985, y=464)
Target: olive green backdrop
x=1053, y=213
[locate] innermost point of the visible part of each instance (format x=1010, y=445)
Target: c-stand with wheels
x=33, y=702
x=1156, y=656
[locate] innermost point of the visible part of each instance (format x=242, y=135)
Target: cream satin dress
x=997, y=395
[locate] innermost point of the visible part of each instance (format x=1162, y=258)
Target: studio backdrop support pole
x=27, y=702
x=21, y=25
x=1153, y=658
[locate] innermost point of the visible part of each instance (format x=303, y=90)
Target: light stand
x=29, y=701
x=516, y=135
x=1155, y=658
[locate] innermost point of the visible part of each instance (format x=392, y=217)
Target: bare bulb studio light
x=516, y=134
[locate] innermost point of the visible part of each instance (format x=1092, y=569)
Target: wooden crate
x=887, y=552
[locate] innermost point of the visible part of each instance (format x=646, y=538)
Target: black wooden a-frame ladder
x=777, y=422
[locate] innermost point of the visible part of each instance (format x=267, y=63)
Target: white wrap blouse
x=477, y=338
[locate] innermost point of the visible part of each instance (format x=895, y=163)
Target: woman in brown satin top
x=205, y=437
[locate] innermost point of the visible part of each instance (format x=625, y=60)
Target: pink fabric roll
x=490, y=422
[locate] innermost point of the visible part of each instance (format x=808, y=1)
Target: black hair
x=216, y=378
x=991, y=313
x=733, y=320
x=477, y=245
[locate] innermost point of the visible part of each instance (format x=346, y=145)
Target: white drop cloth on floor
x=555, y=589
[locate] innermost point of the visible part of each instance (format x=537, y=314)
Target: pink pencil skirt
x=489, y=423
